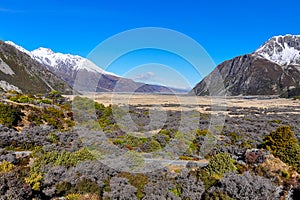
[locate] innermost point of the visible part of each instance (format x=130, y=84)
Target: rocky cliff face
x=20, y=72
x=270, y=70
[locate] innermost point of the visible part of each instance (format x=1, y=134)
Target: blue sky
x=225, y=29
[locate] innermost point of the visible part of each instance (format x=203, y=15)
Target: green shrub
x=34, y=116
x=84, y=186
x=14, y=98
x=73, y=196
x=52, y=137
x=134, y=141
x=283, y=144
x=83, y=103
x=34, y=180
x=51, y=116
x=54, y=117
x=6, y=166
x=167, y=133
x=9, y=115
x=13, y=92
x=185, y=158
x=84, y=106
x=64, y=158
x=154, y=145
x=220, y=164
x=290, y=155
x=234, y=137
x=277, y=121
x=56, y=97
x=176, y=191
x=63, y=187
x=118, y=141
x=217, y=195
x=70, y=123
x=23, y=99
x=208, y=179
x=201, y=132
x=137, y=180
x=285, y=174
x=279, y=138
x=44, y=101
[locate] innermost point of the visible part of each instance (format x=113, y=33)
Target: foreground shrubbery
x=59, y=165
x=248, y=187
x=64, y=158
x=220, y=164
x=9, y=115
x=283, y=144
x=6, y=166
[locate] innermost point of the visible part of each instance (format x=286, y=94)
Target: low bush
x=220, y=164
x=283, y=144
x=73, y=196
x=64, y=158
x=44, y=101
x=248, y=187
x=137, y=180
x=9, y=115
x=34, y=180
x=6, y=166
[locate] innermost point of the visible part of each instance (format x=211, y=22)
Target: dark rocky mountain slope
x=270, y=70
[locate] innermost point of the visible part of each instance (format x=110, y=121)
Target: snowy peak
x=86, y=74
x=17, y=47
x=57, y=60
x=60, y=61
x=282, y=50
x=42, y=51
x=65, y=62
x=272, y=69
x=18, y=74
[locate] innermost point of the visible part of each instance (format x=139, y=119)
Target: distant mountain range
x=87, y=76
x=272, y=69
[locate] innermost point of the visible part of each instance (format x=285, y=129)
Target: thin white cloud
x=145, y=77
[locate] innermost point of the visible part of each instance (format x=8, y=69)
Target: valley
x=61, y=139
x=181, y=100
x=149, y=100
x=146, y=140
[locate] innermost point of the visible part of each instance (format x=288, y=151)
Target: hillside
x=292, y=93
x=20, y=72
x=270, y=70
x=86, y=76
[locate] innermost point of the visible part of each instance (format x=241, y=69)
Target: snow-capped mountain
x=272, y=69
x=20, y=72
x=86, y=75
x=60, y=61
x=283, y=50
x=18, y=47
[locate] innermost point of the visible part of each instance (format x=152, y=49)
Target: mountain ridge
x=283, y=50
x=22, y=73
x=87, y=76
x=270, y=70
